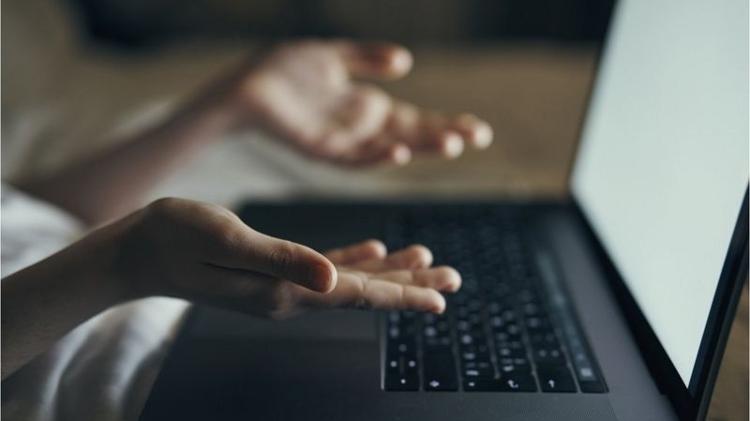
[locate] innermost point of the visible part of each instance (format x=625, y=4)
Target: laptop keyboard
x=506, y=330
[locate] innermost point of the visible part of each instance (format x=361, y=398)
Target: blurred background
x=79, y=74
x=143, y=23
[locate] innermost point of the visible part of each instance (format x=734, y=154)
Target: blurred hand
x=206, y=254
x=306, y=92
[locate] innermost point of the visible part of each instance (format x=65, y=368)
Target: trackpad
x=336, y=324
x=271, y=370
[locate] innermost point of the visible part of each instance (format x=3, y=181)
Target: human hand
x=306, y=92
x=205, y=253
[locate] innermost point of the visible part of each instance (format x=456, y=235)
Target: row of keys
x=496, y=334
x=589, y=379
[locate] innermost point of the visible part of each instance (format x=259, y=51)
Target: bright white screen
x=663, y=164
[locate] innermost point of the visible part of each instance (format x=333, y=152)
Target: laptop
x=614, y=304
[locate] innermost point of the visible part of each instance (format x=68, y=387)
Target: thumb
x=257, y=252
x=375, y=60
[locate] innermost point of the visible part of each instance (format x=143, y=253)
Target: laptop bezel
x=690, y=402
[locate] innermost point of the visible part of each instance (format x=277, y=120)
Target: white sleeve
x=31, y=229
x=104, y=368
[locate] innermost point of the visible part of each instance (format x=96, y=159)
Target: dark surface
x=146, y=23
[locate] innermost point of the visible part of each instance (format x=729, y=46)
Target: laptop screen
x=663, y=164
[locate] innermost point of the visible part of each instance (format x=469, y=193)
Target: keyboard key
x=517, y=383
x=440, y=372
x=401, y=383
x=440, y=384
x=536, y=323
x=438, y=344
x=556, y=380
x=482, y=385
x=548, y=356
x=544, y=339
x=592, y=387
x=506, y=351
x=402, y=373
x=402, y=346
x=481, y=365
x=588, y=380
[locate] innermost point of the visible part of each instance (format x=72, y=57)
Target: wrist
x=111, y=247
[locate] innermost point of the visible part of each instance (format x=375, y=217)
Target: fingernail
x=440, y=308
x=483, y=136
x=453, y=146
x=323, y=277
x=401, y=61
x=401, y=155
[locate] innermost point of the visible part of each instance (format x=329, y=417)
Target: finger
x=473, y=130
x=375, y=60
x=234, y=289
x=412, y=257
x=448, y=143
x=377, y=151
x=250, y=250
x=366, y=250
x=423, y=131
x=383, y=295
x=357, y=290
x=442, y=278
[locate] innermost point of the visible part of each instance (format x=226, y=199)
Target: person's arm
x=44, y=301
x=303, y=92
x=113, y=182
x=204, y=253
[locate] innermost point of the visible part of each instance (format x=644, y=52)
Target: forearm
x=114, y=182
x=43, y=302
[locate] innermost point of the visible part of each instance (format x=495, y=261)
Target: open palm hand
x=308, y=93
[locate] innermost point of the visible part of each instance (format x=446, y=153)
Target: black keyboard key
x=403, y=346
x=440, y=372
x=440, y=384
x=592, y=387
x=481, y=384
x=532, y=309
x=517, y=382
x=558, y=380
x=509, y=367
x=548, y=356
x=536, y=323
x=401, y=383
x=544, y=339
x=402, y=373
x=485, y=365
x=589, y=380
x=507, y=351
x=437, y=345
x=477, y=372
x=505, y=336
x=474, y=355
